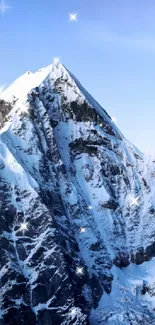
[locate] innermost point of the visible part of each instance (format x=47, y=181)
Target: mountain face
x=77, y=209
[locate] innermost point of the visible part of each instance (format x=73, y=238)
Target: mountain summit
x=77, y=209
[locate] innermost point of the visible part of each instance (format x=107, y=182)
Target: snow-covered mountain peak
x=58, y=70
x=23, y=85
x=29, y=80
x=86, y=196
x=55, y=73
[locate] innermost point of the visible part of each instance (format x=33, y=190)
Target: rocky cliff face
x=5, y=108
x=77, y=230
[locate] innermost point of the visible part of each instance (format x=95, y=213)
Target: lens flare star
x=23, y=226
x=56, y=60
x=72, y=17
x=113, y=119
x=90, y=207
x=73, y=311
x=79, y=270
x=4, y=7
x=134, y=201
x=83, y=229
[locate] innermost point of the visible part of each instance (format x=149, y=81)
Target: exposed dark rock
x=23, y=316
x=4, y=110
x=97, y=290
x=144, y=288
x=142, y=255
x=111, y=204
x=150, y=252
x=96, y=246
x=80, y=146
x=115, y=170
x=121, y=260
x=138, y=257
x=152, y=211
x=107, y=282
x=83, y=112
x=145, y=183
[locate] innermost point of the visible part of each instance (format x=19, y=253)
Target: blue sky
x=111, y=50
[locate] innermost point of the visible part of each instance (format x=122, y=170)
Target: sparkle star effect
x=23, y=226
x=72, y=17
x=83, y=229
x=90, y=207
x=113, y=119
x=73, y=311
x=56, y=60
x=79, y=270
x=134, y=201
x=4, y=7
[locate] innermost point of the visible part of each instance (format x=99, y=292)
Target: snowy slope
x=20, y=87
x=64, y=167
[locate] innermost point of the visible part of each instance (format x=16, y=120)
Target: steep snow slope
x=20, y=87
x=67, y=171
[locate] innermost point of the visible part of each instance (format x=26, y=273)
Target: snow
x=22, y=86
x=13, y=171
x=126, y=295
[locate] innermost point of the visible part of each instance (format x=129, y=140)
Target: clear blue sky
x=111, y=50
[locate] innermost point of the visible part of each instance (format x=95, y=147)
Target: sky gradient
x=111, y=50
